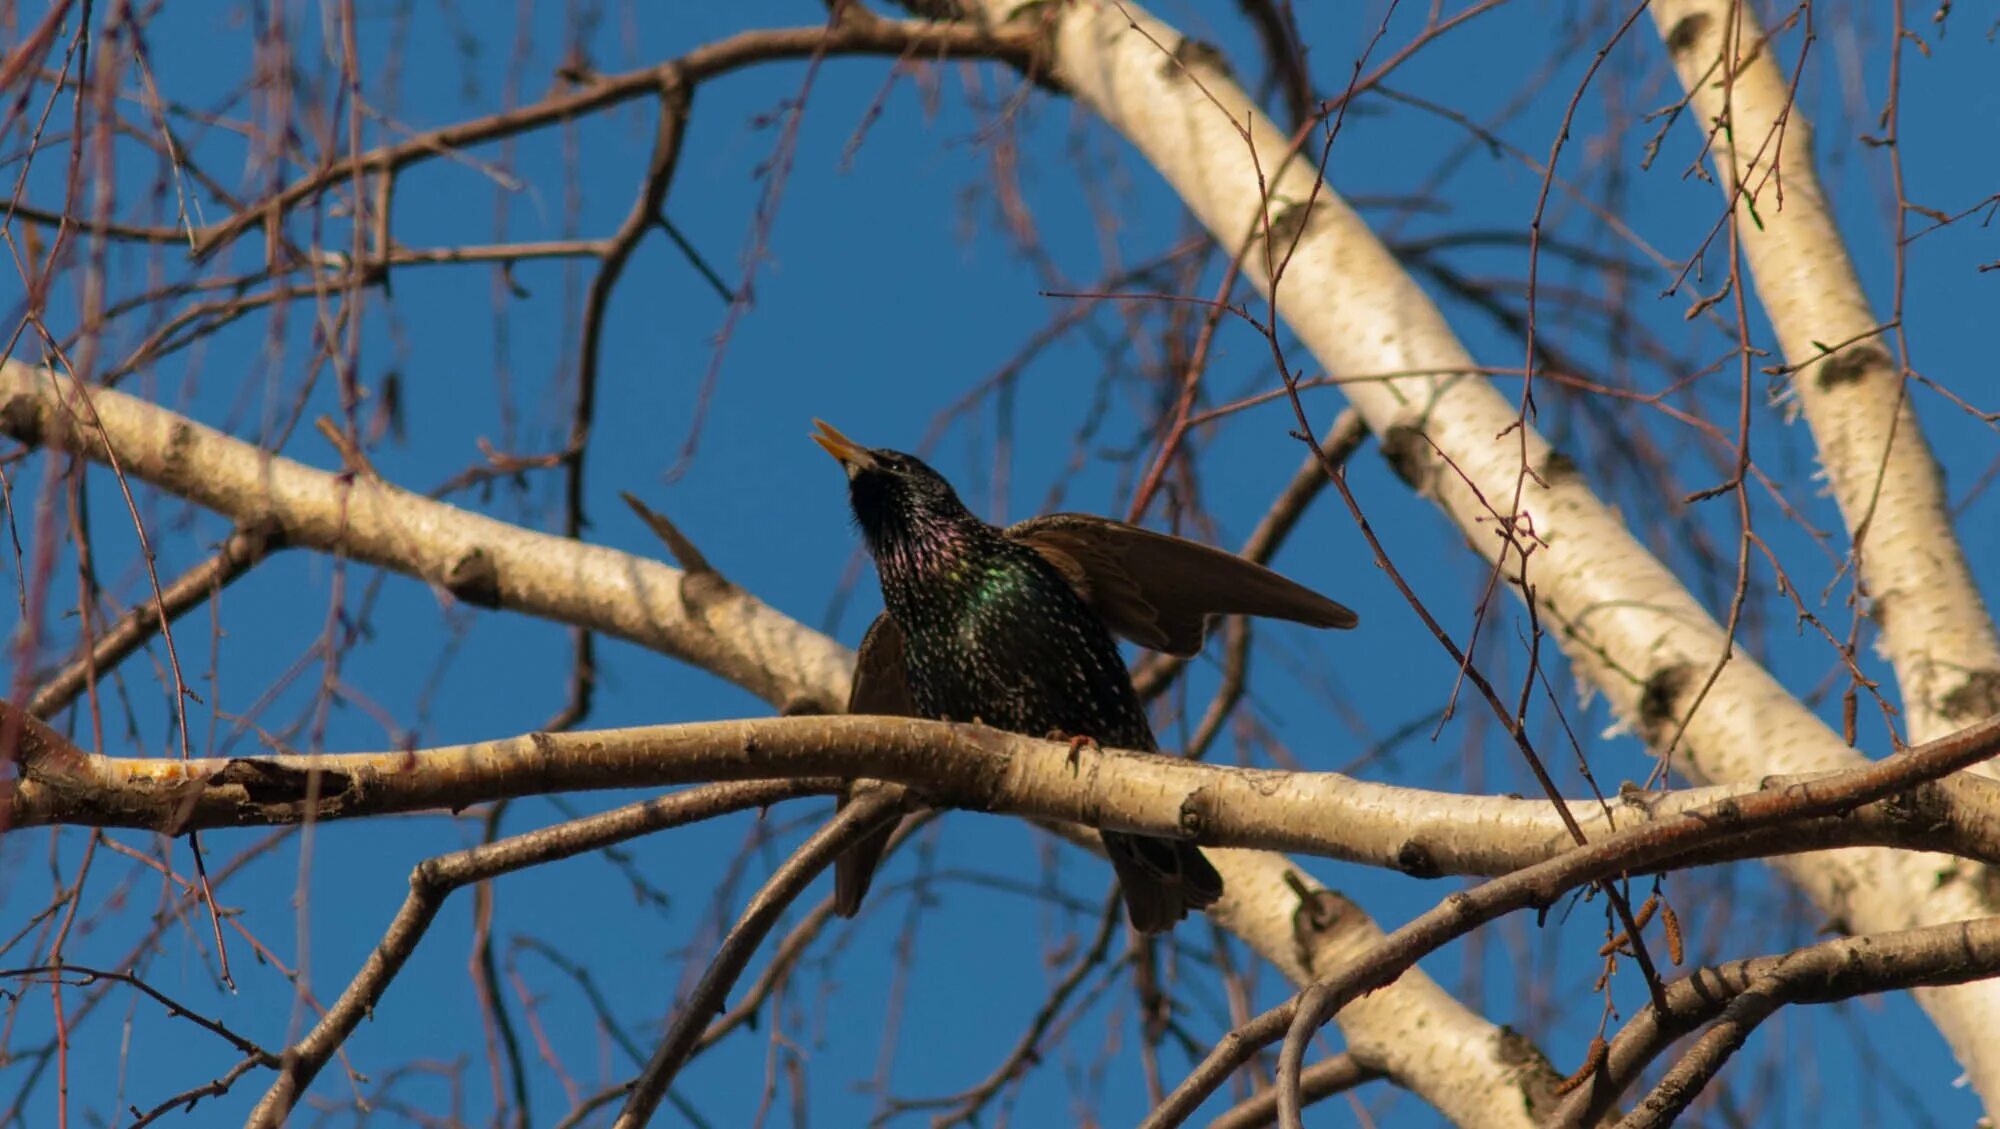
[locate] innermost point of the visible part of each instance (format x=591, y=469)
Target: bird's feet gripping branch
x=1077, y=745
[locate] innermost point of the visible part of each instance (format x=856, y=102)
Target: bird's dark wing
x=1158, y=590
x=881, y=688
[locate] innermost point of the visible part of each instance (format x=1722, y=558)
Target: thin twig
x=240, y=552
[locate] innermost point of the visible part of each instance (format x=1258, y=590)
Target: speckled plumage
x=1013, y=628
x=993, y=633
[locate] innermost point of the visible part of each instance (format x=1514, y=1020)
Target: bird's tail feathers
x=854, y=868
x=1163, y=879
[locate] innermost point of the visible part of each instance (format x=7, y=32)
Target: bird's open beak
x=852, y=455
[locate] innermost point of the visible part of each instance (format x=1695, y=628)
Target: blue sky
x=885, y=290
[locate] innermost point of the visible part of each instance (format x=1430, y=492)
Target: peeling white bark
x=1935, y=629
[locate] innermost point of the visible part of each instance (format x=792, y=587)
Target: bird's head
x=900, y=503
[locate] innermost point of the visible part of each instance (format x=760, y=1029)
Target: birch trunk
x=1935, y=629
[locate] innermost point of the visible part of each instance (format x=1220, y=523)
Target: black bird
x=1013, y=628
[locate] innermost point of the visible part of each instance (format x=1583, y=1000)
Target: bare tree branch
x=240, y=552
x=1321, y=1080
x=1824, y=973
x=435, y=879
x=858, y=34
x=473, y=558
x=862, y=815
x=1540, y=885
x=1424, y=834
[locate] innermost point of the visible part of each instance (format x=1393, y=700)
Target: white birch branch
x=694, y=617
x=1419, y=833
x=1935, y=629
x=1625, y=621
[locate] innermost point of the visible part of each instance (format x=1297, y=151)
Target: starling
x=1013, y=628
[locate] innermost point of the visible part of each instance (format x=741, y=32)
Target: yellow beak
x=852, y=455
